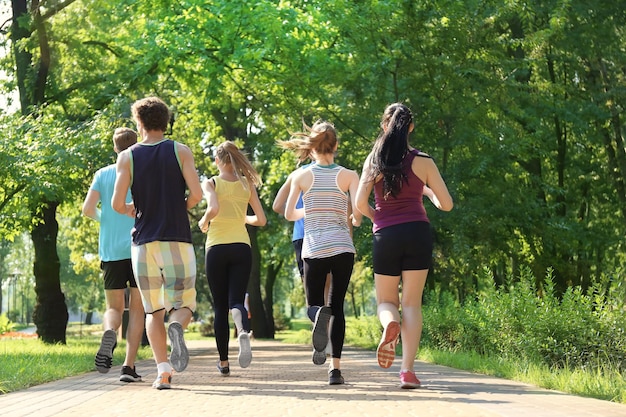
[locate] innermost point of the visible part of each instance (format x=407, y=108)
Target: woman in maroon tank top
x=402, y=245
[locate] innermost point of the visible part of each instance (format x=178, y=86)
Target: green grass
x=28, y=362
x=604, y=384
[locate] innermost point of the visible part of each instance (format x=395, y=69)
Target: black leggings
x=228, y=272
x=315, y=271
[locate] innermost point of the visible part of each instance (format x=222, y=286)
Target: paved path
x=282, y=381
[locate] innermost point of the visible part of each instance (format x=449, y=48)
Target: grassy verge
x=601, y=384
x=28, y=362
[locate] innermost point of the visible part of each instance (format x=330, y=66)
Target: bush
x=6, y=325
x=578, y=330
x=281, y=321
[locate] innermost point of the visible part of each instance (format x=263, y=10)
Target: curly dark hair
x=152, y=112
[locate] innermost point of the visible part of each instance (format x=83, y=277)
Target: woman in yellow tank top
x=228, y=259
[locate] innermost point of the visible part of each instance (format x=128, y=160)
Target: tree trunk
x=89, y=318
x=50, y=313
x=270, y=279
x=259, y=317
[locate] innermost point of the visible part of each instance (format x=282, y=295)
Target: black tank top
x=158, y=189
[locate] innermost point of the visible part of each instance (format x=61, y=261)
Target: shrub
x=6, y=325
x=578, y=330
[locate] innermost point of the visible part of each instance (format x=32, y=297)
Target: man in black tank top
x=164, y=183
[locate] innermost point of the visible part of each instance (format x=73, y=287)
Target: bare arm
x=190, y=174
x=90, y=205
x=281, y=197
x=436, y=188
x=122, y=184
x=212, y=205
x=291, y=212
x=259, y=218
x=353, y=186
x=363, y=192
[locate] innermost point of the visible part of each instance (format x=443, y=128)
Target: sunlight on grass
x=601, y=384
x=28, y=362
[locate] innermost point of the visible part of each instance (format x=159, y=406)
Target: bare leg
x=388, y=299
x=412, y=289
x=136, y=323
x=155, y=329
x=112, y=319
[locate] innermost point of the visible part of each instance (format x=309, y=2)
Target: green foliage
x=6, y=325
x=519, y=103
x=581, y=330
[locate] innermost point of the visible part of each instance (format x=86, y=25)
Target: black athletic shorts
x=403, y=247
x=118, y=274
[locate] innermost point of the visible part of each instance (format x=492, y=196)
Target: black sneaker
x=224, y=370
x=128, y=374
x=334, y=377
x=104, y=357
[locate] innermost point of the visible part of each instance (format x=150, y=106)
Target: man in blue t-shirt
x=114, y=252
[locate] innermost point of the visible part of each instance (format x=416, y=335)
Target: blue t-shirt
x=298, y=225
x=115, y=228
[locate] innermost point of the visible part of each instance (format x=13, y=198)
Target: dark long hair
x=390, y=148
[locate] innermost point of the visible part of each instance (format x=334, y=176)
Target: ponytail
x=390, y=148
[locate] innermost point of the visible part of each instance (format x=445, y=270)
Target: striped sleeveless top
x=326, y=231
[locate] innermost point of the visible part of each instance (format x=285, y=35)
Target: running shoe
x=245, y=351
x=163, y=381
x=104, y=357
x=335, y=378
x=179, y=356
x=408, y=380
x=319, y=358
x=224, y=370
x=386, y=351
x=320, y=328
x=128, y=374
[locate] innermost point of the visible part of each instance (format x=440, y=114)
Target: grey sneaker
x=319, y=358
x=320, y=328
x=104, y=357
x=179, y=357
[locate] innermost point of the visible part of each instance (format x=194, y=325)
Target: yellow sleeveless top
x=229, y=226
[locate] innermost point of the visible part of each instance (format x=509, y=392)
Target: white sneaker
x=245, y=351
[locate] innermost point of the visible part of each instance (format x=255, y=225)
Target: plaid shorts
x=166, y=275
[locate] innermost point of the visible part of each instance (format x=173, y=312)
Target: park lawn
x=27, y=361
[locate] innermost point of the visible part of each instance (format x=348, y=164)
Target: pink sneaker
x=386, y=351
x=408, y=380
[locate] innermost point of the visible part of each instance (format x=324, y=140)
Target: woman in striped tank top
x=327, y=246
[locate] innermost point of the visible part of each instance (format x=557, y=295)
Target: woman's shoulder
x=419, y=153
